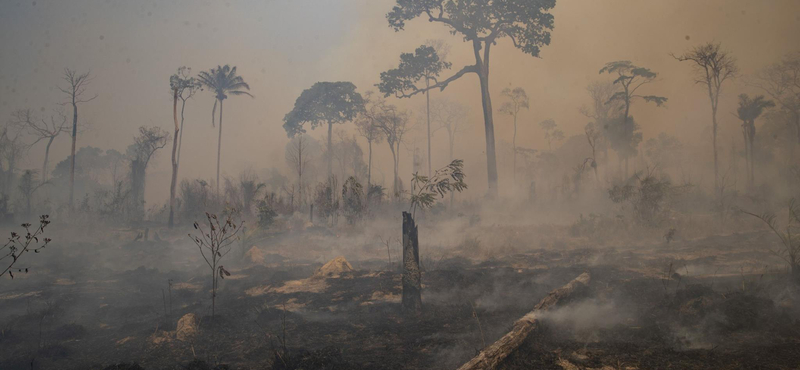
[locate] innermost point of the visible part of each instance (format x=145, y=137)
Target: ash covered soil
x=710, y=302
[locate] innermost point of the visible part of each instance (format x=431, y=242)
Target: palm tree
x=222, y=81
x=748, y=110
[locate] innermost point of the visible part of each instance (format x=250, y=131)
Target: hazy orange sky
x=283, y=46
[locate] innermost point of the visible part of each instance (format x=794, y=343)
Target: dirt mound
x=187, y=327
x=333, y=269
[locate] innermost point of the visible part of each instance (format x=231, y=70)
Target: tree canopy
x=324, y=102
x=631, y=78
x=525, y=22
x=424, y=64
x=517, y=100
x=223, y=81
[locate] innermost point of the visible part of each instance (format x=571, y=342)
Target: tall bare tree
x=517, y=100
x=393, y=122
x=526, y=23
x=602, y=111
x=593, y=136
x=76, y=94
x=713, y=66
x=367, y=127
x=452, y=117
x=183, y=87
x=41, y=129
x=298, y=157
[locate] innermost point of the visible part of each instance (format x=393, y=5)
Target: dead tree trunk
x=412, y=276
x=174, y=180
x=493, y=355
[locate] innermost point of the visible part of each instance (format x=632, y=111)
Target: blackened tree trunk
x=412, y=276
x=486, y=100
x=174, y=181
x=46, y=158
x=330, y=149
x=138, y=168
x=72, y=157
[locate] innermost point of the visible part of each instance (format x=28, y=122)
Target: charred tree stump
x=412, y=276
x=493, y=355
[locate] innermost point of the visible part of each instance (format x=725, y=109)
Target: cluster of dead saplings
x=491, y=356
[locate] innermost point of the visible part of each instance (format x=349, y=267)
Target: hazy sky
x=283, y=46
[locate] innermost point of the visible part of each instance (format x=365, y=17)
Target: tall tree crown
x=517, y=100
x=751, y=108
x=631, y=78
x=712, y=65
x=184, y=83
x=423, y=64
x=223, y=81
x=324, y=102
x=525, y=22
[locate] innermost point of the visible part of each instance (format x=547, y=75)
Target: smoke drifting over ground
x=399, y=184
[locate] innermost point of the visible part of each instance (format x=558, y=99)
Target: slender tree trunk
x=594, y=164
x=412, y=276
x=219, y=145
x=394, y=170
x=369, y=166
x=752, y=138
x=486, y=100
x=72, y=158
x=46, y=158
x=330, y=149
x=714, y=147
x=174, y=181
x=747, y=153
x=514, y=149
x=180, y=141
x=428, y=113
x=300, y=171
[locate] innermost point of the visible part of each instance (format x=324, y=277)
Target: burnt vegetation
x=397, y=218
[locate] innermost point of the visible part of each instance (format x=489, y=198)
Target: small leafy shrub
x=352, y=200
x=649, y=197
x=266, y=214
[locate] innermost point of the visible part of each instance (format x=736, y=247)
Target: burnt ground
x=719, y=302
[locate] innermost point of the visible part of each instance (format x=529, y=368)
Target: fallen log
x=492, y=356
